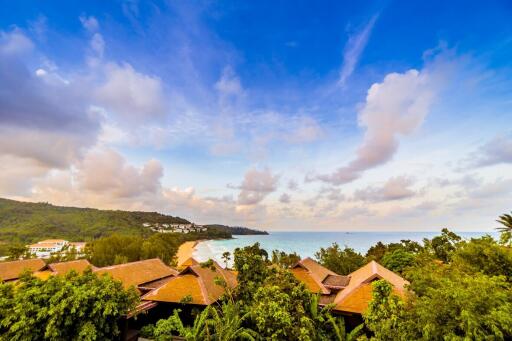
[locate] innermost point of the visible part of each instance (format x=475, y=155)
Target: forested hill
x=28, y=222
x=236, y=230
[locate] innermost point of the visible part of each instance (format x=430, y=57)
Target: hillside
x=28, y=222
x=236, y=230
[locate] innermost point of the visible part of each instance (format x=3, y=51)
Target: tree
x=484, y=255
x=166, y=328
x=17, y=251
x=71, y=307
x=226, y=257
x=226, y=323
x=385, y=312
x=398, y=260
x=506, y=221
x=283, y=259
x=442, y=246
x=341, y=261
x=251, y=263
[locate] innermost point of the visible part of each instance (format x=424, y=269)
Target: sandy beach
x=185, y=251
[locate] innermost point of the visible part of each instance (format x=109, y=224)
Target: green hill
x=28, y=222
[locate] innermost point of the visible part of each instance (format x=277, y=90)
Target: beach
x=185, y=251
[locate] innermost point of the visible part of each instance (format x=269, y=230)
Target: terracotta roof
x=64, y=267
x=137, y=273
x=317, y=277
x=188, y=262
x=12, y=270
x=196, y=282
x=44, y=275
x=336, y=281
x=52, y=241
x=358, y=293
x=44, y=245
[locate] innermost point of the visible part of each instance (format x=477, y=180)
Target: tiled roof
x=64, y=267
x=140, y=272
x=195, y=281
x=44, y=245
x=12, y=270
x=317, y=277
x=188, y=262
x=44, y=275
x=336, y=281
x=358, y=293
x=53, y=241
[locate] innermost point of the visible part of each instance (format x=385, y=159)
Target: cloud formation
x=496, y=151
x=396, y=107
x=353, y=50
x=396, y=188
x=255, y=187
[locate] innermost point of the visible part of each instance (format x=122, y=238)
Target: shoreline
x=186, y=251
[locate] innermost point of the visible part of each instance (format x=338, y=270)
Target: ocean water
x=307, y=243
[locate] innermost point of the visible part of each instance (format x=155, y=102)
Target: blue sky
x=326, y=115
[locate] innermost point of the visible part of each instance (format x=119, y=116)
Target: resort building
x=45, y=248
x=62, y=268
x=196, y=284
x=351, y=294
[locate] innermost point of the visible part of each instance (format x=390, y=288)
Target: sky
x=303, y=115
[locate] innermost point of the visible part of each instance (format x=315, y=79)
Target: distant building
x=45, y=248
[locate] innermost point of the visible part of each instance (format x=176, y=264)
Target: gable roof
x=64, y=267
x=318, y=278
x=195, y=281
x=12, y=270
x=358, y=293
x=190, y=261
x=137, y=273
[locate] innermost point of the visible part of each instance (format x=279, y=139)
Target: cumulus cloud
x=131, y=95
x=395, y=188
x=255, y=187
x=496, y=151
x=396, y=107
x=107, y=172
x=353, y=49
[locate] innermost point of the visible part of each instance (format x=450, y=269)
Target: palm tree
x=226, y=323
x=506, y=221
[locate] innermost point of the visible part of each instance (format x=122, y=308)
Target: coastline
x=186, y=250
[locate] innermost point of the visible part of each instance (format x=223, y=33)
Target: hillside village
x=175, y=228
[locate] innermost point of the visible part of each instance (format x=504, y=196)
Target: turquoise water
x=307, y=243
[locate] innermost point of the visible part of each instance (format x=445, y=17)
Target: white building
x=45, y=248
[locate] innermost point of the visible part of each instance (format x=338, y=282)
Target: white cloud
x=353, y=49
x=255, y=187
x=396, y=107
x=90, y=23
x=496, y=151
x=14, y=42
x=130, y=95
x=285, y=198
x=396, y=188
x=98, y=44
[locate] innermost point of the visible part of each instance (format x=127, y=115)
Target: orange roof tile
x=188, y=262
x=78, y=265
x=318, y=274
x=357, y=294
x=196, y=281
x=137, y=273
x=44, y=275
x=305, y=277
x=12, y=270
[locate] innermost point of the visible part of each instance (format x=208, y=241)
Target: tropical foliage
x=71, y=307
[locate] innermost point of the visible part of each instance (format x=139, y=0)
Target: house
x=195, y=285
x=349, y=294
x=11, y=271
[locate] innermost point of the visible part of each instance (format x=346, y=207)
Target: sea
x=306, y=244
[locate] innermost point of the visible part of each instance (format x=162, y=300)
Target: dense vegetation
x=74, y=307
x=28, y=222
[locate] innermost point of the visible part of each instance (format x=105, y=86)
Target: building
x=195, y=285
x=62, y=268
x=45, y=248
x=349, y=294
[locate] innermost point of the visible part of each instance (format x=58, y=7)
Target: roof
x=188, y=262
x=196, y=282
x=53, y=241
x=358, y=293
x=317, y=277
x=64, y=267
x=140, y=272
x=44, y=245
x=12, y=270
x=44, y=275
